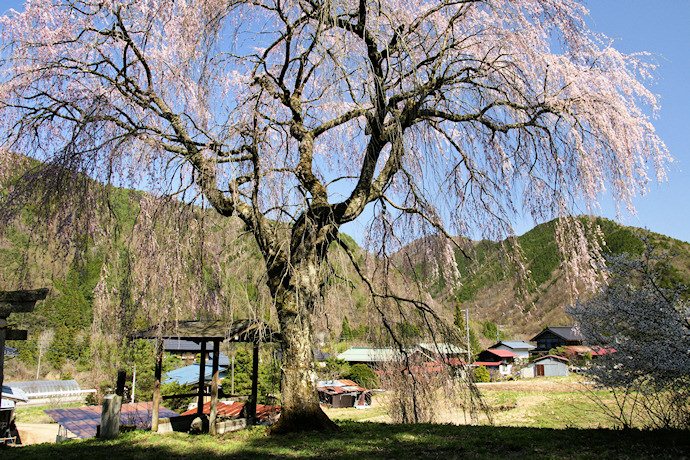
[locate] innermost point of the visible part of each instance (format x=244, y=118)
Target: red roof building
x=237, y=410
x=498, y=359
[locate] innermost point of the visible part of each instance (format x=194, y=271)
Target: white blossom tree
x=297, y=115
x=642, y=323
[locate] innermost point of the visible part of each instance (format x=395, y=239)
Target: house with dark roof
x=554, y=337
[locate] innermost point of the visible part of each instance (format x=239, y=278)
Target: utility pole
x=134, y=381
x=38, y=368
x=467, y=333
x=498, y=330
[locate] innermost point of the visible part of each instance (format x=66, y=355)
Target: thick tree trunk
x=300, y=409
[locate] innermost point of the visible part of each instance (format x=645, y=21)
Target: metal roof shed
x=202, y=332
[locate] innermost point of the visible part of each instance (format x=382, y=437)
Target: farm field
x=557, y=402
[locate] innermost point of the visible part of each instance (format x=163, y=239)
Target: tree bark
x=300, y=408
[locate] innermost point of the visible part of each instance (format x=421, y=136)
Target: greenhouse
x=51, y=389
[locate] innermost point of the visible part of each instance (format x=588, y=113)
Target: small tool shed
x=207, y=333
x=547, y=366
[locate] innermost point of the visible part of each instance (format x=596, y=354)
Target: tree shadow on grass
x=378, y=441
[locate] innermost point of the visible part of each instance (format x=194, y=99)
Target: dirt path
x=37, y=433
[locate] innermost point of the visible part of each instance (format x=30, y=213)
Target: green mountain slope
x=153, y=259
x=488, y=285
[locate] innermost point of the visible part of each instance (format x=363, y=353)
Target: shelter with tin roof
x=204, y=333
x=343, y=393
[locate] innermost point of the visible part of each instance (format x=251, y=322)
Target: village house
x=497, y=360
x=554, y=337
x=422, y=353
x=521, y=349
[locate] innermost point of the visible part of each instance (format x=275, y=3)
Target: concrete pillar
x=110, y=417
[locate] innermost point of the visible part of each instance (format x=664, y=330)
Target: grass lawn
x=377, y=440
x=549, y=418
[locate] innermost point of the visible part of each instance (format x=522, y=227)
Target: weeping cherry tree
x=299, y=116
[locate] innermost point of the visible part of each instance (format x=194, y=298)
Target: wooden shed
x=343, y=393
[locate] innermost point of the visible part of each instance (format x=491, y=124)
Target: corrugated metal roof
x=514, y=344
x=46, y=387
x=340, y=386
x=14, y=394
x=234, y=409
x=82, y=421
x=369, y=354
x=178, y=345
x=559, y=358
x=503, y=353
x=189, y=375
x=385, y=354
x=10, y=352
x=223, y=360
x=442, y=348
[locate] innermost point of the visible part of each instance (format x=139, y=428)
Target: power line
x=50, y=349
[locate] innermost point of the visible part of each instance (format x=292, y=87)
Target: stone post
x=110, y=416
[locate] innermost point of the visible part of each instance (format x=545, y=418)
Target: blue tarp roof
x=82, y=421
x=190, y=375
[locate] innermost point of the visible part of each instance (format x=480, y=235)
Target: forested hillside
x=188, y=263
x=196, y=265
x=487, y=283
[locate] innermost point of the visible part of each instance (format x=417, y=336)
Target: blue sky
x=661, y=27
